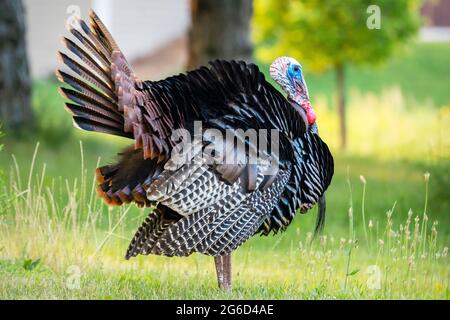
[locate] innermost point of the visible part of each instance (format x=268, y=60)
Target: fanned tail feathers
x=104, y=93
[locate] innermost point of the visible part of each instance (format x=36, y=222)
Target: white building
x=142, y=28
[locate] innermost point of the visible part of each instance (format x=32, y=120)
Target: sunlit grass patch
x=384, y=126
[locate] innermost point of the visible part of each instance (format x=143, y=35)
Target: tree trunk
x=220, y=29
x=341, y=101
x=15, y=88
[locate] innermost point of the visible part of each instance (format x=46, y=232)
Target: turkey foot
x=223, y=270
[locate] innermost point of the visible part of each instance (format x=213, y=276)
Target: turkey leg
x=223, y=270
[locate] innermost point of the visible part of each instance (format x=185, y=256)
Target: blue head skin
x=287, y=72
x=298, y=85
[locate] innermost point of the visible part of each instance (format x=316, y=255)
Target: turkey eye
x=296, y=68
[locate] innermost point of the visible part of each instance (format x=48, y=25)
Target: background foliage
x=323, y=34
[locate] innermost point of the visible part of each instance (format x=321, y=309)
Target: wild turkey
x=201, y=204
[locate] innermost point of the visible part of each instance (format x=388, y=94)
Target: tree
x=220, y=29
x=15, y=88
x=333, y=34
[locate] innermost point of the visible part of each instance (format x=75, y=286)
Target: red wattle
x=310, y=114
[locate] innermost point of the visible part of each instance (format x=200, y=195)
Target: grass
x=72, y=246
x=387, y=232
x=54, y=229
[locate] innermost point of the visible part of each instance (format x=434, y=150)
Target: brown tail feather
x=90, y=46
x=106, y=85
x=89, y=116
x=103, y=95
x=102, y=31
x=86, y=58
x=109, y=109
x=91, y=125
x=100, y=43
x=128, y=179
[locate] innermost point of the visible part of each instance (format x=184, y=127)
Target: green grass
x=59, y=224
x=256, y=276
x=71, y=235
x=52, y=225
x=72, y=246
